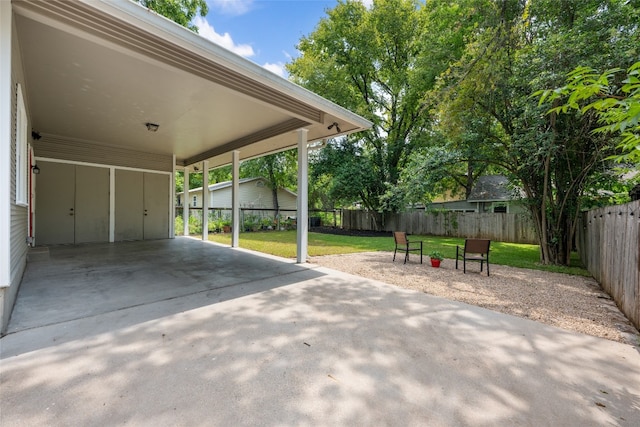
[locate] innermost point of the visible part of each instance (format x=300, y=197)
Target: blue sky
x=263, y=31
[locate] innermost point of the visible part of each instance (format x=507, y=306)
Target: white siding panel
x=287, y=200
x=222, y=198
x=55, y=147
x=18, y=214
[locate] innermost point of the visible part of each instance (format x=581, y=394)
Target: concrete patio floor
x=183, y=332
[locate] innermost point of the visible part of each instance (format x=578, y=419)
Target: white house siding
x=19, y=214
x=252, y=195
x=55, y=147
x=287, y=200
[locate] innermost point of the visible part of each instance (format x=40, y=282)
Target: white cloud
x=276, y=68
x=367, y=3
x=231, y=7
x=207, y=31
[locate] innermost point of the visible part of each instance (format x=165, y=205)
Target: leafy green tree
x=179, y=11
x=614, y=96
x=348, y=174
x=369, y=60
x=523, y=46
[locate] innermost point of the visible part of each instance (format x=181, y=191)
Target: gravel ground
x=570, y=302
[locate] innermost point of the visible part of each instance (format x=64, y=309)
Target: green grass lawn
x=283, y=243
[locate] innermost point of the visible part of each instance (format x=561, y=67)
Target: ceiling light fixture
x=334, y=124
x=152, y=127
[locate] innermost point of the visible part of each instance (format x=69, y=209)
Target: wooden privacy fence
x=503, y=227
x=608, y=241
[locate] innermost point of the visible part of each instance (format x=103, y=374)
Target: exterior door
x=55, y=204
x=92, y=204
x=142, y=205
x=72, y=204
x=156, y=206
x=129, y=205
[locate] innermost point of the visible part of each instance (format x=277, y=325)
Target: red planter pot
x=435, y=263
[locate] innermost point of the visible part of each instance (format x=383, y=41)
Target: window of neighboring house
x=178, y=200
x=195, y=200
x=500, y=209
x=22, y=168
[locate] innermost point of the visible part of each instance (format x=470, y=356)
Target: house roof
x=491, y=188
x=99, y=70
x=226, y=184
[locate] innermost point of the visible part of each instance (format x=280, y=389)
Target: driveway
x=182, y=332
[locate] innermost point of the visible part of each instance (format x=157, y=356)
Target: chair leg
x=464, y=265
x=406, y=255
x=394, y=254
x=420, y=252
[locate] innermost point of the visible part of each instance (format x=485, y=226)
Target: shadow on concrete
x=324, y=349
x=156, y=278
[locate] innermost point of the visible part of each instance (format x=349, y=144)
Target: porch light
x=152, y=127
x=35, y=169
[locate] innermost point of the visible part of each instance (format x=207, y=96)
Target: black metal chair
x=405, y=245
x=474, y=250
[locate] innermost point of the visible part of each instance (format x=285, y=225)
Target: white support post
x=235, y=199
x=205, y=200
x=302, y=217
x=5, y=146
x=172, y=201
x=185, y=202
x=112, y=204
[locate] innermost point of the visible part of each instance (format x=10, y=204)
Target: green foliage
x=348, y=173
x=371, y=61
x=179, y=11
x=614, y=95
x=519, y=48
x=436, y=255
x=283, y=243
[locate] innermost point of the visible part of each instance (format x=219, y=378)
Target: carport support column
x=185, y=202
x=5, y=145
x=235, y=198
x=205, y=200
x=303, y=197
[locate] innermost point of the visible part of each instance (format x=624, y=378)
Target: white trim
x=205, y=202
x=302, y=202
x=21, y=142
x=6, y=102
x=98, y=165
x=235, y=198
x=185, y=202
x=112, y=204
x=172, y=201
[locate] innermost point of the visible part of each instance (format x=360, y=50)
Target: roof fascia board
x=279, y=129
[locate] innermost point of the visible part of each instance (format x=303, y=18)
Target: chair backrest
x=477, y=246
x=400, y=237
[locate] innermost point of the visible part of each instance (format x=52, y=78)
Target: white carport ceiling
x=99, y=70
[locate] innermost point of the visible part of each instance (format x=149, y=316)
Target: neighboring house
x=254, y=193
x=491, y=193
x=101, y=101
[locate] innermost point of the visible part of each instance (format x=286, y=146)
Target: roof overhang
x=99, y=70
